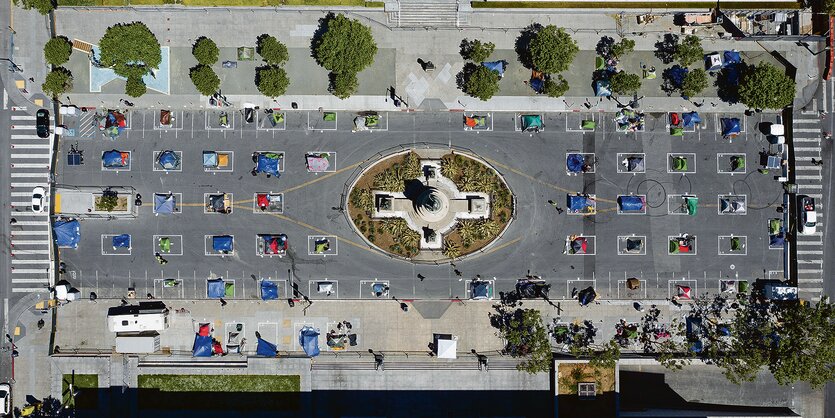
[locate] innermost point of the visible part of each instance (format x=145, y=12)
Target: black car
x=42, y=123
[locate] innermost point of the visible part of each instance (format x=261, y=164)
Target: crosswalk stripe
x=815, y=195
x=30, y=271
x=23, y=117
x=30, y=165
x=20, y=136
x=806, y=149
x=816, y=252
x=23, y=204
x=818, y=177
x=16, y=261
x=29, y=185
x=806, y=140
x=805, y=120
x=818, y=280
x=30, y=242
x=41, y=280
x=31, y=146
x=810, y=290
x=33, y=175
x=802, y=271
x=30, y=252
x=21, y=194
x=810, y=186
x=21, y=127
x=28, y=223
x=28, y=289
x=809, y=242
x=32, y=156
x=22, y=233
x=809, y=261
x=799, y=167
x=806, y=130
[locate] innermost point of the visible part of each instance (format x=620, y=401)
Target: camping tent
x=275, y=244
x=322, y=245
x=730, y=58
x=691, y=119
x=265, y=348
x=317, y=162
x=169, y=160
x=777, y=240
x=602, y=88
x=269, y=290
x=676, y=75
x=217, y=202
x=309, y=340
x=691, y=202
x=67, y=233
x=579, y=203
x=209, y=159
x=730, y=127
x=683, y=292
x=632, y=203
x=164, y=203
x=575, y=162
x=634, y=245
x=497, y=66
x=634, y=164
x=115, y=158
x=165, y=118
x=679, y=163
x=731, y=206
x=677, y=131
x=121, y=241
x=737, y=162
x=215, y=288
x=481, y=290
x=268, y=164
x=586, y=296
x=222, y=243
x=446, y=346
x=113, y=123
x=713, y=62
x=532, y=123
x=578, y=246
x=202, y=346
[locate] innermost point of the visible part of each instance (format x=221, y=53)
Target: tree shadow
x=523, y=43
x=464, y=75
x=727, y=82
x=316, y=39
x=665, y=49
x=604, y=47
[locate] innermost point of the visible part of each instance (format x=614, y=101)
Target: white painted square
x=176, y=245
x=313, y=288
x=331, y=161
x=265, y=124
x=107, y=245
x=732, y=197
x=213, y=120
x=280, y=160
x=643, y=211
x=676, y=204
x=488, y=126
x=623, y=164
x=691, y=162
x=209, y=251
x=627, y=291
x=231, y=206
x=317, y=122
x=117, y=169
x=723, y=163
x=724, y=245
x=176, y=122
x=591, y=242
x=221, y=169
x=256, y=209
x=333, y=242
x=622, y=239
x=158, y=167
x=367, y=289
x=579, y=284
x=695, y=246
x=590, y=162
x=692, y=284
x=178, y=201
x=161, y=291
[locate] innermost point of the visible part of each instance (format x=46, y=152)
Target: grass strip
x=787, y=5
x=219, y=383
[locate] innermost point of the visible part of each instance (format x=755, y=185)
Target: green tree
x=766, y=87
x=271, y=80
x=623, y=48
x=482, y=83
x=694, y=83
x=42, y=6
x=555, y=88
x=829, y=7
x=57, y=82
x=344, y=85
x=552, y=49
x=205, y=50
x=607, y=356
x=525, y=336
x=271, y=50
x=204, y=79
x=625, y=83
x=135, y=87
x=476, y=51
x=689, y=51
x=345, y=45
x=805, y=350
x=130, y=49
x=57, y=50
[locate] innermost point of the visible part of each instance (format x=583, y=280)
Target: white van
x=147, y=316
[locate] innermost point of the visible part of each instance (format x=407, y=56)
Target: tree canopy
x=476, y=51
x=343, y=85
x=623, y=48
x=829, y=7
x=553, y=88
x=525, y=336
x=689, y=50
x=764, y=86
x=344, y=46
x=42, y=6
x=271, y=80
x=482, y=83
x=57, y=82
x=552, y=49
x=272, y=50
x=130, y=49
x=694, y=83
x=204, y=79
x=205, y=51
x=57, y=50
x=135, y=87
x=625, y=83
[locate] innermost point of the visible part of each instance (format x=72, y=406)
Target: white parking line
x=23, y=117
x=31, y=261
x=31, y=146
x=32, y=156
x=814, y=252
x=41, y=280
x=29, y=289
x=24, y=175
x=30, y=165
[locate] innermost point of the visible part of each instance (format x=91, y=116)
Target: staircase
x=426, y=14
x=82, y=46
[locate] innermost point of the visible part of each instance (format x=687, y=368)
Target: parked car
x=808, y=216
x=42, y=123
x=38, y=199
x=5, y=399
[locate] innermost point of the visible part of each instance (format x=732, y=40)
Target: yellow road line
x=326, y=176
x=532, y=178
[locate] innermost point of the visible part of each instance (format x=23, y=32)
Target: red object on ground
x=204, y=330
x=216, y=347
x=675, y=120
x=263, y=200
x=274, y=245
x=683, y=292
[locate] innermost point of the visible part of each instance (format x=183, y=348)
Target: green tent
x=322, y=246
x=531, y=122
x=674, y=246
x=246, y=53
x=228, y=289
x=692, y=203
x=736, y=244
x=737, y=163
x=278, y=117
x=677, y=131
x=679, y=164
x=775, y=225
x=329, y=116
x=165, y=244
x=599, y=63
x=588, y=124
x=743, y=286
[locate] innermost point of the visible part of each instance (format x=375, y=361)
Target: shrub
x=206, y=51
x=57, y=51
x=58, y=81
x=271, y=50
x=343, y=85
x=271, y=80
x=135, y=87
x=204, y=79
x=555, y=88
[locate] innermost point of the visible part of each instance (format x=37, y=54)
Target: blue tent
x=215, y=289
x=113, y=158
x=776, y=240
x=67, y=233
x=731, y=75
x=730, y=127
x=578, y=203
x=269, y=290
x=730, y=58
x=121, y=241
x=266, y=348
x=586, y=296
x=309, y=340
x=222, y=243
x=602, y=88
x=677, y=74
x=164, y=203
x=574, y=162
x=202, y=346
x=537, y=84
x=690, y=119
x=497, y=66
x=631, y=203
x=209, y=159
x=268, y=163
x=169, y=160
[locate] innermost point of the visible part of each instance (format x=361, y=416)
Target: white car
x=5, y=399
x=808, y=222
x=38, y=197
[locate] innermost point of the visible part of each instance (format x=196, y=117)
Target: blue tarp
x=497, y=66
x=731, y=74
x=269, y=290
x=164, y=203
x=578, y=203
x=202, y=346
x=586, y=296
x=215, y=289
x=730, y=126
x=574, y=162
x=776, y=240
x=265, y=348
x=121, y=241
x=631, y=203
x=602, y=88
x=113, y=158
x=67, y=233
x=169, y=160
x=222, y=243
x=209, y=159
x=537, y=84
x=677, y=74
x=730, y=58
x=481, y=290
x=268, y=163
x=309, y=340
x=691, y=119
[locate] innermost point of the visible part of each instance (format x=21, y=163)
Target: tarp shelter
x=164, y=203
x=691, y=203
x=165, y=118
x=578, y=203
x=713, y=62
x=115, y=158
x=217, y=202
x=113, y=123
x=676, y=131
x=268, y=164
x=730, y=127
x=634, y=164
x=497, y=66
x=67, y=233
x=532, y=288
x=679, y=163
x=730, y=58
x=683, y=292
x=727, y=205
x=574, y=163
x=209, y=159
x=165, y=244
x=675, y=119
x=777, y=240
x=121, y=241
x=446, y=346
x=737, y=162
x=215, y=288
x=602, y=88
x=537, y=84
x=169, y=160
x=628, y=120
x=631, y=203
x=691, y=119
x=309, y=340
x=634, y=245
x=275, y=244
x=578, y=245
x=588, y=125
x=202, y=346
x=329, y=116
x=317, y=162
x=586, y=296
x=633, y=283
x=265, y=348
x=531, y=123
x=269, y=290
x=322, y=245
x=222, y=243
x=481, y=289
x=475, y=122
x=680, y=245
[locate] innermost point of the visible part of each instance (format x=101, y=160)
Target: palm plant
x=451, y=249
x=410, y=239
x=411, y=167
x=450, y=168
x=469, y=231
x=488, y=228
x=363, y=200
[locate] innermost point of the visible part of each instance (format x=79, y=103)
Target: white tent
x=447, y=347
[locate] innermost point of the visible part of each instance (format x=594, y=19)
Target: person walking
x=554, y=204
